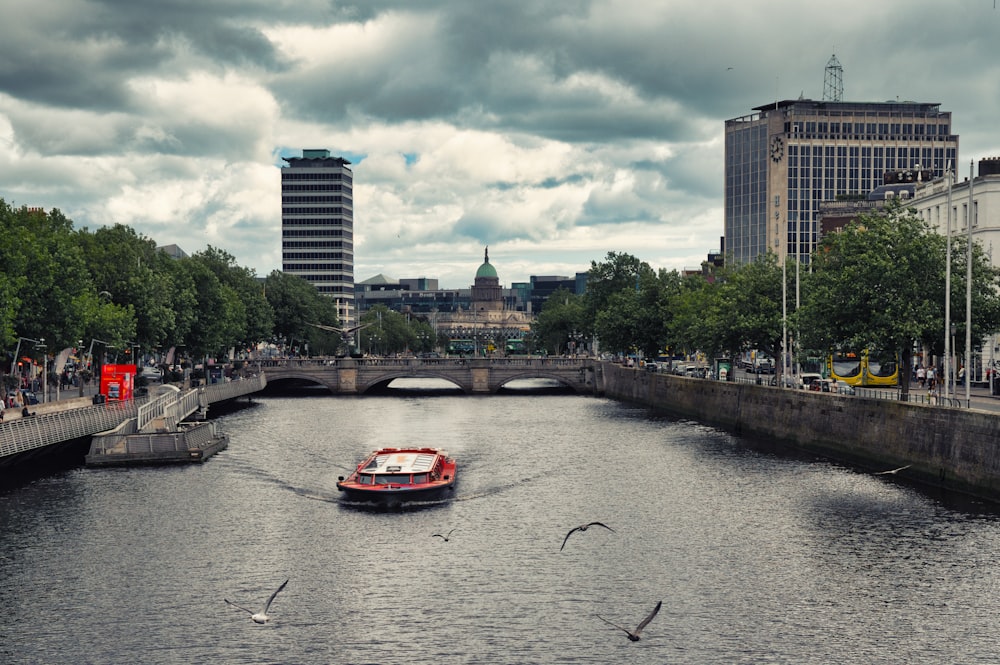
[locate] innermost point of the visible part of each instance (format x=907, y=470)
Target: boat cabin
x=405, y=467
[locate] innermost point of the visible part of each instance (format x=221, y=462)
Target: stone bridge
x=355, y=376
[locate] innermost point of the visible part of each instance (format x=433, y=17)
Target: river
x=759, y=555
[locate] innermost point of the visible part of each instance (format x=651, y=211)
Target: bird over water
x=583, y=527
x=259, y=617
x=634, y=634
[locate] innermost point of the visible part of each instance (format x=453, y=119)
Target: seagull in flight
x=259, y=617
x=445, y=537
x=634, y=634
x=583, y=527
x=893, y=471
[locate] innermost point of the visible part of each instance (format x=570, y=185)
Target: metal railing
x=29, y=433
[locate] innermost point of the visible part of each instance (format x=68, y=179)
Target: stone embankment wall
x=957, y=449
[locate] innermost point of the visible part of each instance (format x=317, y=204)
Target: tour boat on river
x=392, y=476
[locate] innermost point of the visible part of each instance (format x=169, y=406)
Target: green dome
x=486, y=270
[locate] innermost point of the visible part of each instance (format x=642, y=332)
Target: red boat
x=392, y=476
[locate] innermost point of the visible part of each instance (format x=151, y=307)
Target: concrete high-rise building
x=787, y=157
x=317, y=225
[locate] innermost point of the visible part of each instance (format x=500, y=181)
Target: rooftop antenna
x=833, y=81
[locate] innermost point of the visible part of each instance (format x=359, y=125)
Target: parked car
x=150, y=373
x=806, y=379
x=26, y=397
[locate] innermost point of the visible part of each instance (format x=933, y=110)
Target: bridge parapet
x=472, y=375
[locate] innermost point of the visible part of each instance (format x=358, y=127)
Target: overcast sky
x=554, y=132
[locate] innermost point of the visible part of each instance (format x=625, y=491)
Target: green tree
x=561, y=315
x=386, y=332
x=253, y=316
x=298, y=307
x=129, y=271
x=879, y=284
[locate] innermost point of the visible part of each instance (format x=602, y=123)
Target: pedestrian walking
x=921, y=375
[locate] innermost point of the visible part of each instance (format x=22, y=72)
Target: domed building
x=486, y=323
x=487, y=295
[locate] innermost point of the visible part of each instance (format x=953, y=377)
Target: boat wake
x=497, y=489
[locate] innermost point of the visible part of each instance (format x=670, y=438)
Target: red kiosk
x=118, y=382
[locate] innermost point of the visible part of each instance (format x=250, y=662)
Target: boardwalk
x=68, y=420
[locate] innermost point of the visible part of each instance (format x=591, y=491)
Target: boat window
x=365, y=479
x=419, y=478
x=394, y=478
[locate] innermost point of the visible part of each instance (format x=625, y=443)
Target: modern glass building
x=787, y=157
x=317, y=225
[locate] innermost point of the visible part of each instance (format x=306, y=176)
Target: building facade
x=930, y=200
x=317, y=226
x=786, y=158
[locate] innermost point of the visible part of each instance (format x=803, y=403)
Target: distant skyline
x=552, y=132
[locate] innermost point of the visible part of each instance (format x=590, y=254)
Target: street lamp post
x=17, y=351
x=950, y=379
x=45, y=371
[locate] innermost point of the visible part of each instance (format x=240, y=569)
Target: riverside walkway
x=67, y=420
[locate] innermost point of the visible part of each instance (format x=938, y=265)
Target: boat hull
x=394, y=476
x=394, y=496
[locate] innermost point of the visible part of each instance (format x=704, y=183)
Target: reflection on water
x=758, y=555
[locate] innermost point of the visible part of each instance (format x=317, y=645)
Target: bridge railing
x=28, y=433
x=535, y=361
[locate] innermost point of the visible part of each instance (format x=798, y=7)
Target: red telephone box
x=118, y=382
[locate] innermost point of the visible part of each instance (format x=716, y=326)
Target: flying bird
x=445, y=537
x=259, y=617
x=634, y=634
x=893, y=471
x=583, y=527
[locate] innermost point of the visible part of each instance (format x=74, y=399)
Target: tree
x=617, y=273
x=254, y=318
x=131, y=273
x=298, y=307
x=387, y=331
x=878, y=284
x=562, y=313
x=748, y=312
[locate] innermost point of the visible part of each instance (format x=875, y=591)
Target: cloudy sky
x=554, y=132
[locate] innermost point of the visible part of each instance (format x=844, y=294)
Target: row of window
x=317, y=256
x=317, y=233
x=346, y=177
x=326, y=210
x=329, y=198
x=316, y=244
x=336, y=290
x=316, y=188
x=345, y=267
x=340, y=226
x=874, y=130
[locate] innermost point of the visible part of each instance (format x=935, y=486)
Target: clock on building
x=777, y=149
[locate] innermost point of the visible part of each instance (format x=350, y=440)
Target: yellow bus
x=864, y=368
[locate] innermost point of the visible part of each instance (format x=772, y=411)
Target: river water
x=759, y=555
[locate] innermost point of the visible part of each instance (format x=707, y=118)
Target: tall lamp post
x=45, y=371
x=17, y=351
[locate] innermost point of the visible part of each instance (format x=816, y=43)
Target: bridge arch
x=560, y=379
x=384, y=380
x=276, y=378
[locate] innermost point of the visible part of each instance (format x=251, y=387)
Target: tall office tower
x=317, y=225
x=787, y=157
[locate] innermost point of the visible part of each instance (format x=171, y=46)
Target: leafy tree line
x=112, y=289
x=877, y=284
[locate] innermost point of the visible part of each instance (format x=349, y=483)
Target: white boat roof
x=402, y=462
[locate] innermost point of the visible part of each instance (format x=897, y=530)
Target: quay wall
x=952, y=448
